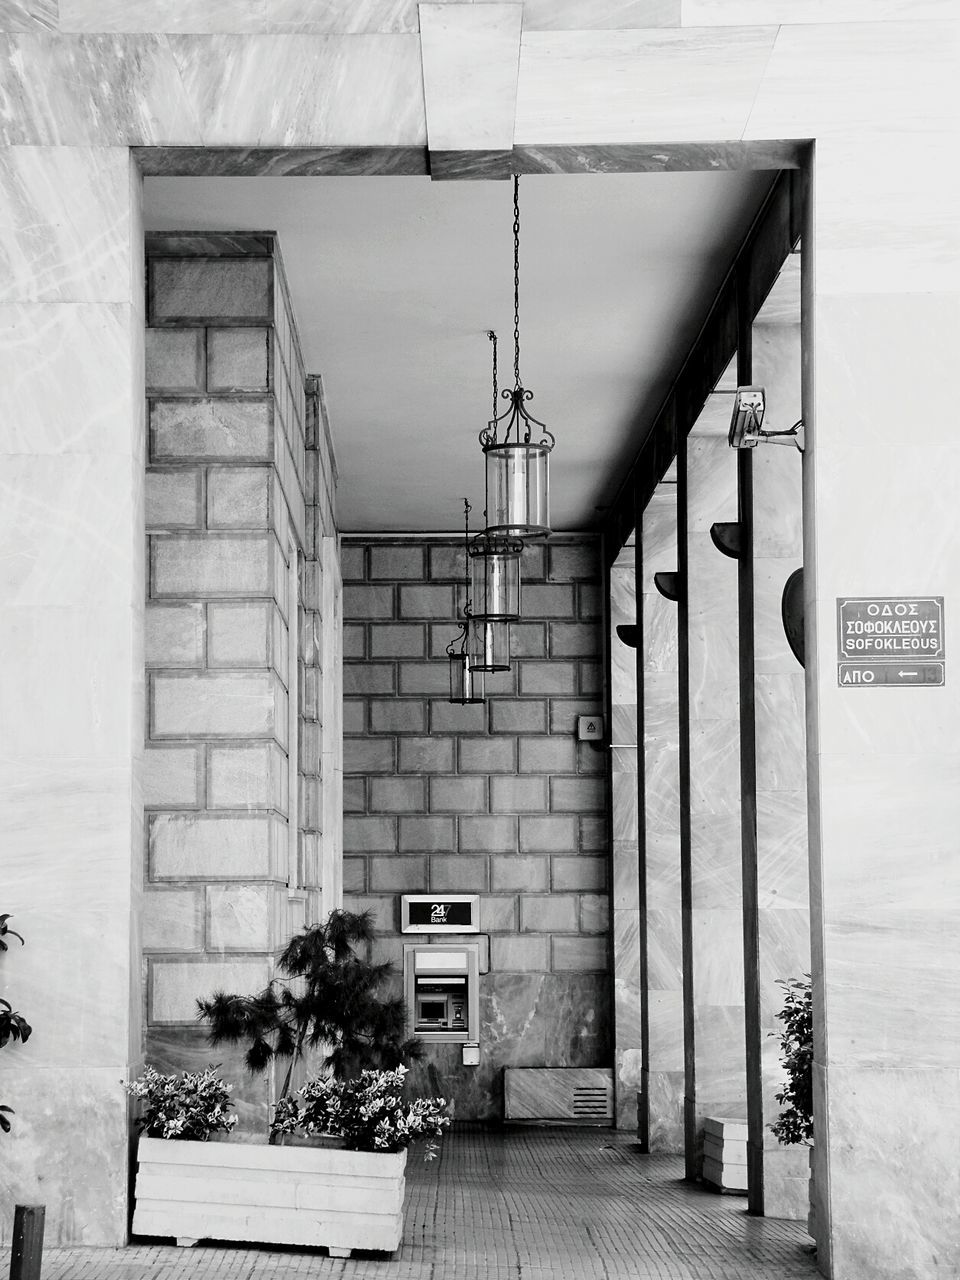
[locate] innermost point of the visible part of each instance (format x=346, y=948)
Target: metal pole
x=25, y=1256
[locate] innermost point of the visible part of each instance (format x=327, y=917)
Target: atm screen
x=433, y=1010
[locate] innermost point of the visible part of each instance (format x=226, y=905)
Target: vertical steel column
x=748, y=767
x=643, y=1117
x=686, y=849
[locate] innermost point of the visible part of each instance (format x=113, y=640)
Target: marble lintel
x=286, y=162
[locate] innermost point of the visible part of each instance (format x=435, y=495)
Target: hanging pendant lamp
x=465, y=650
x=516, y=445
x=492, y=641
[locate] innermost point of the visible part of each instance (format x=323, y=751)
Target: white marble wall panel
x=306, y=17
x=223, y=76
x=65, y=235
x=29, y=15
x=725, y=13
x=639, y=86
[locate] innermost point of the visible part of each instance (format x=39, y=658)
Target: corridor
x=514, y=1204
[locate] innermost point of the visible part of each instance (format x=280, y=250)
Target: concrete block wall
x=241, y=613
x=498, y=798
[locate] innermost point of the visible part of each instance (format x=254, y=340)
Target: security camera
x=746, y=423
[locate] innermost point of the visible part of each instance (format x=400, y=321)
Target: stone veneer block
x=191, y=289
x=426, y=834
x=172, y=499
x=369, y=835
x=577, y=794
x=248, y=777
x=580, y=954
x=398, y=640
x=354, y=715
x=548, y=601
x=242, y=917
x=396, y=795
x=528, y=640
x=587, y=874
x=202, y=565
x=211, y=430
x=396, y=562
x=593, y=834
x=574, y=640
x=498, y=914
x=397, y=874
x=458, y=873
x=565, y=711
x=548, y=834
x=354, y=640
x=549, y=677
x=594, y=913
x=175, y=987
x=174, y=635
x=251, y=704
x=174, y=360
x=367, y=601
x=408, y=715
x=458, y=795
x=566, y=562
x=354, y=875
x=517, y=795
x=237, y=359
x=187, y=846
x=518, y=717
x=369, y=677
x=548, y=755
x=495, y=834
x=239, y=497
x=172, y=919
x=426, y=677
x=369, y=755
x=548, y=913
x=487, y=755
x=449, y=717
x=171, y=777
x=240, y=635
x=519, y=955
x=427, y=602
x=518, y=873
x=426, y=755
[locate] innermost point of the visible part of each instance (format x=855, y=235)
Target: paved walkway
x=513, y=1204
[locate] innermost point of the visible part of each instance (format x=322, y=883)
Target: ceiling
x=396, y=280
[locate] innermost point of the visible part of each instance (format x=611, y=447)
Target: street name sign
x=886, y=641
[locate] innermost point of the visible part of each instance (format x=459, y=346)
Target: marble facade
x=874, y=87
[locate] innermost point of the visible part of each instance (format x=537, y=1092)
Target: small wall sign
x=440, y=913
x=886, y=641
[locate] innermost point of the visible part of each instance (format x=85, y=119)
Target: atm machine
x=441, y=980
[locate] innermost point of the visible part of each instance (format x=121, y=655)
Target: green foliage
x=192, y=1105
x=368, y=1112
x=13, y=1025
x=795, y=1123
x=328, y=1000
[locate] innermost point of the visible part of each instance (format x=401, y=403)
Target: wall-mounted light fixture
x=746, y=422
x=669, y=585
x=495, y=576
x=628, y=634
x=727, y=537
x=516, y=445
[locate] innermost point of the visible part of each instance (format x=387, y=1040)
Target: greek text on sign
x=890, y=629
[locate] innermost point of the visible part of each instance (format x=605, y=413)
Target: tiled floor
x=516, y=1204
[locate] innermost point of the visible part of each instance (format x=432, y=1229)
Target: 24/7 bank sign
x=890, y=640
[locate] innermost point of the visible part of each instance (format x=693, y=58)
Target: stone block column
x=663, y=1072
x=71, y=681
x=716, y=895
x=783, y=912
x=233, y=773
x=624, y=815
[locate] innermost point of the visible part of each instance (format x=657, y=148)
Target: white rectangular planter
x=275, y=1195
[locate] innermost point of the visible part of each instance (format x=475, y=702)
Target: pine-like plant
x=330, y=999
x=795, y=1123
x=13, y=1025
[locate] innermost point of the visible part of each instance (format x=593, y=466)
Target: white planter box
x=274, y=1195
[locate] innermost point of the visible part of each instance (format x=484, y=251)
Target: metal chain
x=493, y=338
x=516, y=278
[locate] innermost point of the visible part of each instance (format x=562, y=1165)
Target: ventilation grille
x=590, y=1102
x=558, y=1095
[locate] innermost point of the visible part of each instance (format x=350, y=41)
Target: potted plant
x=795, y=1122
x=13, y=1025
x=344, y=1198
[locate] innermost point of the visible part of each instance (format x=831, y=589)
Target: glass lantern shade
x=517, y=489
x=466, y=678
x=492, y=646
x=495, y=577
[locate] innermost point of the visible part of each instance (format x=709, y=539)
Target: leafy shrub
x=795, y=1123
x=329, y=999
x=368, y=1112
x=13, y=1025
x=192, y=1105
